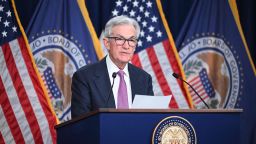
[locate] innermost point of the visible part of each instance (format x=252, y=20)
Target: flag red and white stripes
x=158, y=63
x=25, y=114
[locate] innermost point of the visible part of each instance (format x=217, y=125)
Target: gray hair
x=120, y=20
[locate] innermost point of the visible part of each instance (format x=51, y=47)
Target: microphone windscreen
x=175, y=75
x=114, y=75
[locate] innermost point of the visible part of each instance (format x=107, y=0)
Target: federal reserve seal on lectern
x=174, y=130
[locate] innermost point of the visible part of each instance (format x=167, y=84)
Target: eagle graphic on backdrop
x=56, y=70
x=62, y=71
x=57, y=58
x=211, y=67
x=217, y=74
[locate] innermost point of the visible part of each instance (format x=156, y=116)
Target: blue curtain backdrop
x=176, y=12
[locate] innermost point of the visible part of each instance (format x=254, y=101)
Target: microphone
x=113, y=76
x=179, y=77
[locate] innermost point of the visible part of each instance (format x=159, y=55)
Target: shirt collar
x=113, y=68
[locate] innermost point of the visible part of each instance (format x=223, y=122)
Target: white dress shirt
x=113, y=68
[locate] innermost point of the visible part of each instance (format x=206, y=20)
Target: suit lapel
x=134, y=81
x=102, y=82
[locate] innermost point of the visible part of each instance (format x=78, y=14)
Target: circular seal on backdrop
x=211, y=66
x=58, y=56
x=174, y=129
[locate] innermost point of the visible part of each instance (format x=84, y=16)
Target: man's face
x=121, y=44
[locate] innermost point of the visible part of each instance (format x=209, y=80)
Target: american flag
x=155, y=52
x=25, y=114
x=203, y=86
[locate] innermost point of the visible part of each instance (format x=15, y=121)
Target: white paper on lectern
x=151, y=102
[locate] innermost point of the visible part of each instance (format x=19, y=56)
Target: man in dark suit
x=91, y=85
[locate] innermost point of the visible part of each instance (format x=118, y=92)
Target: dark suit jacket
x=91, y=87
